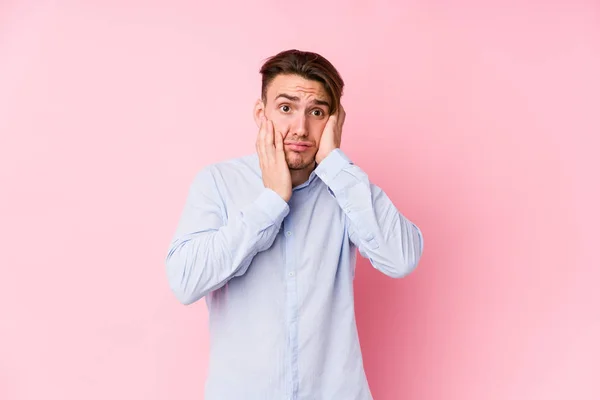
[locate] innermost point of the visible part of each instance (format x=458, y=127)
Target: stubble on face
x=296, y=162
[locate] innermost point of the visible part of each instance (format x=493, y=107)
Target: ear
x=259, y=111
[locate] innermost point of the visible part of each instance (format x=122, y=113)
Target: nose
x=299, y=127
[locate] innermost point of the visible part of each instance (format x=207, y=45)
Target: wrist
x=284, y=195
x=320, y=157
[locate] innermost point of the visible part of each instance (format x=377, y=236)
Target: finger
x=269, y=141
x=279, y=145
x=340, y=126
x=260, y=147
x=261, y=129
x=269, y=134
x=342, y=116
x=332, y=120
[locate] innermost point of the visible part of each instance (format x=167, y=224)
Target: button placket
x=291, y=303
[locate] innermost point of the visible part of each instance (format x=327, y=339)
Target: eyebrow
x=296, y=98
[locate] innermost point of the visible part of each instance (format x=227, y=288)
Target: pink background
x=479, y=119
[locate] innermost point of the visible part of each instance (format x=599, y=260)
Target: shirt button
x=288, y=234
x=291, y=273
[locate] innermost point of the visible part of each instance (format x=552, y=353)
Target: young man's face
x=299, y=109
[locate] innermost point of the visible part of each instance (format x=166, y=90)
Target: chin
x=297, y=162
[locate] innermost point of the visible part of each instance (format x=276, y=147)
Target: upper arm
x=203, y=209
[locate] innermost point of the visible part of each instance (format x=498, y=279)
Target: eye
x=285, y=108
x=318, y=113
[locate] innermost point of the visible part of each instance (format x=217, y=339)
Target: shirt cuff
x=332, y=165
x=271, y=204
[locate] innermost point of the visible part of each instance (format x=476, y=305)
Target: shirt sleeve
x=205, y=251
x=391, y=242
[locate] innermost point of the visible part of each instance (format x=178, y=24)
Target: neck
x=299, y=176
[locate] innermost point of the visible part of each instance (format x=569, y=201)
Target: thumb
x=331, y=121
x=279, y=143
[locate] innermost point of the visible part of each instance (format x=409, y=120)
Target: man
x=270, y=241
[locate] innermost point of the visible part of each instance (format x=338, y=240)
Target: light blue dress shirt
x=278, y=277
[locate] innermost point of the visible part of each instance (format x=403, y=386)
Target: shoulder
x=243, y=165
x=229, y=170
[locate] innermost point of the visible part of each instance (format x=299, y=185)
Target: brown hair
x=308, y=65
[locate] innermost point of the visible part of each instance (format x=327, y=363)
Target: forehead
x=297, y=86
